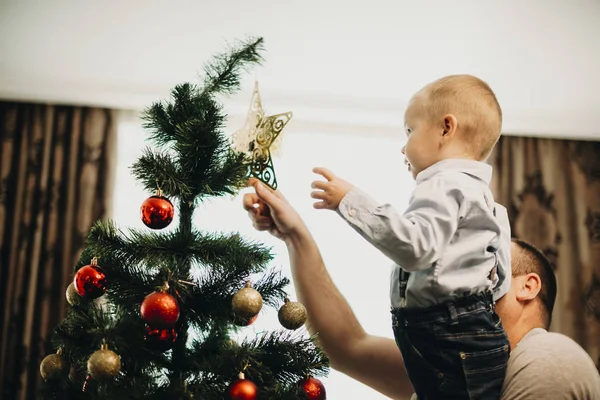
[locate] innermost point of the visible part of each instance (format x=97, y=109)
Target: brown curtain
x=56, y=178
x=552, y=191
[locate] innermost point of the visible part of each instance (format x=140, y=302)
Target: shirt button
x=352, y=212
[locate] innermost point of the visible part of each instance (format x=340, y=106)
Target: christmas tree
x=153, y=312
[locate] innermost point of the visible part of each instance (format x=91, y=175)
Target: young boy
x=451, y=247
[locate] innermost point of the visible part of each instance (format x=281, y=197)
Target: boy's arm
x=416, y=239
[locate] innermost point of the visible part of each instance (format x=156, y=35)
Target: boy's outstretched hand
x=331, y=192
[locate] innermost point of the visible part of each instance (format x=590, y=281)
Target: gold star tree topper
x=259, y=137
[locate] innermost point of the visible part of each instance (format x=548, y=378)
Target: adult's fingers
x=271, y=197
x=249, y=201
x=254, y=182
x=262, y=226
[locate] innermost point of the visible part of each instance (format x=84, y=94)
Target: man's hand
x=270, y=211
x=331, y=192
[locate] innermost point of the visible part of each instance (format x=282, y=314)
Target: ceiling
x=341, y=62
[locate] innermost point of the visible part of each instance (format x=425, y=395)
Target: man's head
x=454, y=117
x=530, y=299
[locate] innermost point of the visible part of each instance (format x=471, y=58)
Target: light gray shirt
x=450, y=238
x=550, y=366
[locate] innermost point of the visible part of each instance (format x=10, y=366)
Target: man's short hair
x=475, y=106
x=533, y=260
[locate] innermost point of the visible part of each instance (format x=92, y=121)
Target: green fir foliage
x=191, y=160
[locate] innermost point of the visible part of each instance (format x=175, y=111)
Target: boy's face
x=422, y=146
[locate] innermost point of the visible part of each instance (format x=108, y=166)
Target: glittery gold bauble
x=247, y=302
x=53, y=366
x=292, y=315
x=72, y=296
x=104, y=364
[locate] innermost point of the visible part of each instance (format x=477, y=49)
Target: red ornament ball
x=90, y=281
x=160, y=339
x=160, y=310
x=157, y=212
x=241, y=321
x=242, y=389
x=314, y=388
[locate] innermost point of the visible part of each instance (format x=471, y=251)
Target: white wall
x=360, y=272
x=346, y=63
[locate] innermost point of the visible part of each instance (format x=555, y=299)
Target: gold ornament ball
x=292, y=315
x=53, y=366
x=247, y=302
x=72, y=296
x=104, y=364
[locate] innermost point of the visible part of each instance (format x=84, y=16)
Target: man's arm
x=372, y=360
x=416, y=239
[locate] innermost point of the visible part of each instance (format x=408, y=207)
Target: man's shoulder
x=542, y=347
x=548, y=344
x=544, y=363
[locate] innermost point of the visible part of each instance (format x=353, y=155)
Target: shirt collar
x=533, y=332
x=477, y=169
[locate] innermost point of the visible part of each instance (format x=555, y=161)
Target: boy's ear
x=450, y=125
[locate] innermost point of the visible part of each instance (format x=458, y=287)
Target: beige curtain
x=56, y=177
x=552, y=191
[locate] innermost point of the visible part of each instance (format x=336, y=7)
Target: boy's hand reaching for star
x=331, y=192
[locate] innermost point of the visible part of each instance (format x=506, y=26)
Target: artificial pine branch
x=159, y=169
x=222, y=75
x=87, y=325
x=203, y=270
x=220, y=251
x=217, y=291
x=272, y=287
x=158, y=124
x=231, y=176
x=191, y=127
x=275, y=361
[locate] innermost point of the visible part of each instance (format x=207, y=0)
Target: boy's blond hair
x=475, y=106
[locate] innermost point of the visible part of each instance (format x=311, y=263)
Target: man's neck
x=520, y=330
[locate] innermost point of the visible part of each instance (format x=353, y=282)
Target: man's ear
x=528, y=286
x=450, y=125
